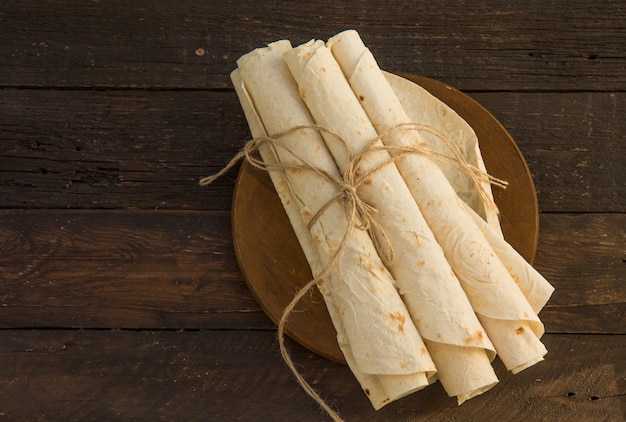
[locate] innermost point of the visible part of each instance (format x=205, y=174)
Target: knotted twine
x=360, y=214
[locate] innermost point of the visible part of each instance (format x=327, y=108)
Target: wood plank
x=105, y=269
x=131, y=149
x=572, y=143
x=584, y=256
x=168, y=269
x=492, y=45
x=584, y=246
x=146, y=149
x=235, y=375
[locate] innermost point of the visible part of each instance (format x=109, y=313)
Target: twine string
x=287, y=355
x=360, y=214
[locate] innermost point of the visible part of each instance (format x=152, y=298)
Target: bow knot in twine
x=360, y=213
x=364, y=210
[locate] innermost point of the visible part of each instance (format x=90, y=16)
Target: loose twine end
x=287, y=356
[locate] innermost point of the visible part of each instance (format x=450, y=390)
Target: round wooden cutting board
x=275, y=267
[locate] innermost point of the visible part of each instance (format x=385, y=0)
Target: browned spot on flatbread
x=423, y=351
x=362, y=97
x=297, y=170
x=399, y=318
x=477, y=337
x=519, y=331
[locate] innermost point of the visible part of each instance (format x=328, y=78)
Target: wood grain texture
x=105, y=269
x=573, y=143
x=490, y=45
x=138, y=149
x=224, y=375
x=81, y=149
x=172, y=269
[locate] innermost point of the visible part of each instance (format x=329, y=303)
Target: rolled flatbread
x=437, y=303
x=421, y=106
x=509, y=319
x=378, y=339
x=533, y=285
x=380, y=389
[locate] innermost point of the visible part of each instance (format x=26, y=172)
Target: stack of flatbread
x=406, y=249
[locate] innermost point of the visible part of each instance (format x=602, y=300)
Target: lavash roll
x=533, y=285
x=429, y=287
x=510, y=321
x=380, y=389
x=379, y=341
x=421, y=106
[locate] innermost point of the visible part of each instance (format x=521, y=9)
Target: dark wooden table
x=120, y=293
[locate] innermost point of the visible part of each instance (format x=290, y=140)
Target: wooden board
x=490, y=46
x=148, y=149
x=79, y=375
x=139, y=269
x=275, y=268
